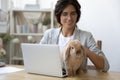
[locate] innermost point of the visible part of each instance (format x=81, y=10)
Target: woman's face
x=68, y=17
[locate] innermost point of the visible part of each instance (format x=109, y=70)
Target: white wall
x=46, y=4
x=3, y=5
x=102, y=18
x=3, y=16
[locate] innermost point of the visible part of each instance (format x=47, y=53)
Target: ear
x=83, y=50
x=83, y=65
x=67, y=52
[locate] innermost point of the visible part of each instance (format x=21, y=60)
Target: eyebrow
x=71, y=11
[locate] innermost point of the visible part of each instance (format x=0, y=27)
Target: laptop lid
x=42, y=59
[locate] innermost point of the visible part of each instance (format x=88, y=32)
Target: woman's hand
x=97, y=60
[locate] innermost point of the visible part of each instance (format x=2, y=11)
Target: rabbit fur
x=74, y=58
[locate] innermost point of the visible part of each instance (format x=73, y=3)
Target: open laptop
x=42, y=59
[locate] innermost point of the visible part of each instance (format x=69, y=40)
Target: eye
x=64, y=14
x=72, y=47
x=73, y=14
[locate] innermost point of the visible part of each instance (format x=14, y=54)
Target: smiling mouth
x=69, y=23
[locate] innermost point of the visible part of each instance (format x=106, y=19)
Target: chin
x=70, y=26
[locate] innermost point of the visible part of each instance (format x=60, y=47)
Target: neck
x=67, y=32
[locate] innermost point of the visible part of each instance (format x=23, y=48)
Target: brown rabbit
x=74, y=58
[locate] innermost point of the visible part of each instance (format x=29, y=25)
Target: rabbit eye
x=72, y=47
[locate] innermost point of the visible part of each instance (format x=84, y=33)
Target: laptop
x=42, y=59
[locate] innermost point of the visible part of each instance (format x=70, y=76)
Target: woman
x=67, y=13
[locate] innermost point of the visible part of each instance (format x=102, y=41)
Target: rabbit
x=74, y=58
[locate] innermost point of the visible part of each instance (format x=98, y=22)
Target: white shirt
x=62, y=43
x=64, y=40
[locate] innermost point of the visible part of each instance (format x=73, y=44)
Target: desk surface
x=90, y=75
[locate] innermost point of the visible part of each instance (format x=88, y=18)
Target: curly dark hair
x=62, y=4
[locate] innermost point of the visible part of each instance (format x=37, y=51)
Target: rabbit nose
x=78, y=52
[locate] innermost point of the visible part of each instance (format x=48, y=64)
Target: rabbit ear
x=83, y=50
x=67, y=52
x=83, y=65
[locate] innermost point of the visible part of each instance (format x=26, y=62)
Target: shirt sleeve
x=44, y=39
x=92, y=45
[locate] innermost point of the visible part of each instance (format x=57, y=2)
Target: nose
x=69, y=17
x=78, y=52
